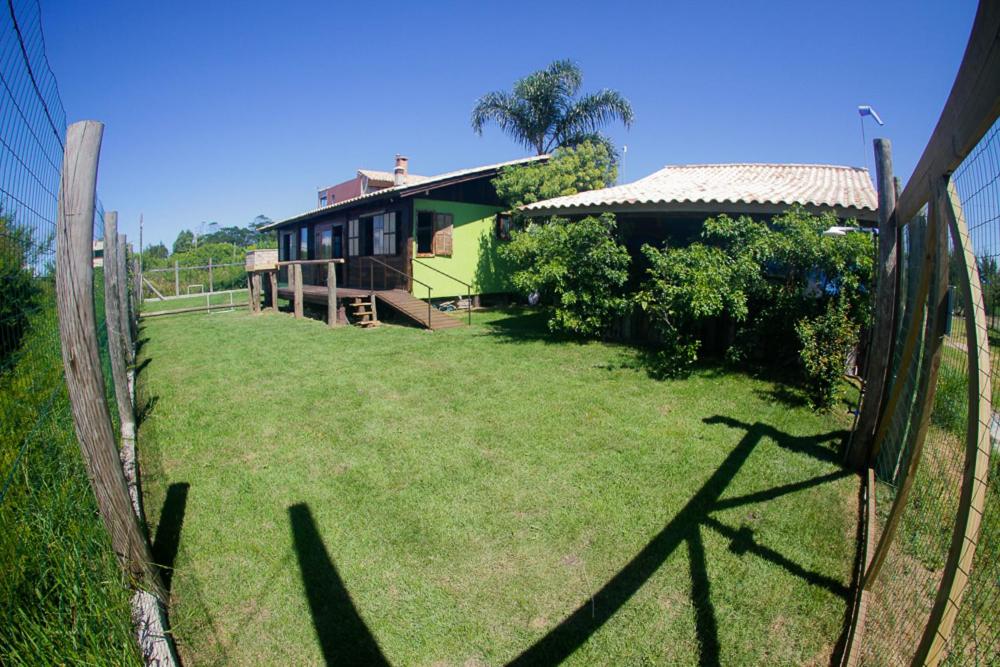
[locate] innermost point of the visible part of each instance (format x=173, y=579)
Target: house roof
x=408, y=189
x=686, y=187
x=389, y=178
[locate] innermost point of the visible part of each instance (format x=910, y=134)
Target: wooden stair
x=415, y=309
x=364, y=311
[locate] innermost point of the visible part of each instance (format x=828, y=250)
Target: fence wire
x=62, y=596
x=926, y=474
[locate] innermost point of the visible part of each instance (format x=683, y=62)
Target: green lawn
x=152, y=304
x=483, y=495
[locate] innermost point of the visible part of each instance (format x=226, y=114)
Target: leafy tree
x=587, y=166
x=778, y=282
x=543, y=112
x=158, y=251
x=184, y=241
x=577, y=267
x=17, y=253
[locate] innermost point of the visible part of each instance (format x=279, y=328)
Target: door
x=324, y=250
x=338, y=250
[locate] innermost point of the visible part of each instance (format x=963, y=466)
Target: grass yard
x=483, y=495
x=238, y=298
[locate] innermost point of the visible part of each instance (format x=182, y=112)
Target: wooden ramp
x=403, y=302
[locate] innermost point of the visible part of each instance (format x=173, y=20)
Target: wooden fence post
x=81, y=359
x=297, y=270
x=273, y=276
x=256, y=292
x=211, y=279
x=177, y=279
x=331, y=294
x=121, y=268
x=883, y=329
x=115, y=324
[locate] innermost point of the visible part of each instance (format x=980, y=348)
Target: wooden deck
x=399, y=300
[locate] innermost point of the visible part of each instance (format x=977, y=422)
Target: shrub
x=826, y=341
x=588, y=166
x=576, y=267
x=17, y=285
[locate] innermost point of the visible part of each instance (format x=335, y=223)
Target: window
x=352, y=237
x=503, y=226
x=325, y=249
x=304, y=243
x=434, y=233
x=322, y=199
x=425, y=233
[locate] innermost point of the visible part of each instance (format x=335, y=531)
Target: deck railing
x=468, y=287
x=371, y=282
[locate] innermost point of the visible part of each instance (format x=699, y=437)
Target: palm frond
x=509, y=113
x=592, y=112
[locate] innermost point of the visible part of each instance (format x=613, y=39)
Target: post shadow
x=564, y=639
x=168, y=530
x=343, y=635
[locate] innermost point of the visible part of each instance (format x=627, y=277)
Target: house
x=672, y=204
x=422, y=236
x=365, y=182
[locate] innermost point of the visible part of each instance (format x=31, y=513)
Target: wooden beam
x=273, y=276
x=331, y=294
x=972, y=107
x=883, y=329
x=81, y=359
x=121, y=268
x=972, y=499
x=297, y=308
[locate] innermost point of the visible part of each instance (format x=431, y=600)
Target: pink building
x=367, y=181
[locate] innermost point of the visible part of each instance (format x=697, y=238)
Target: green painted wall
x=474, y=258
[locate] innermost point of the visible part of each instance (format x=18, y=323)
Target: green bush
x=576, y=267
x=587, y=166
x=825, y=342
x=17, y=284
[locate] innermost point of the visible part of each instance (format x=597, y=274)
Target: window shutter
x=443, y=226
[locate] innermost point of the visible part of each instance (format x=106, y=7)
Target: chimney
x=399, y=173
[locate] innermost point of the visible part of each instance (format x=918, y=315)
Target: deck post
x=297, y=270
x=250, y=291
x=273, y=275
x=81, y=356
x=331, y=294
x=256, y=293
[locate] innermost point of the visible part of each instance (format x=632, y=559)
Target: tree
x=577, y=267
x=587, y=166
x=19, y=289
x=543, y=112
x=158, y=251
x=184, y=241
x=792, y=293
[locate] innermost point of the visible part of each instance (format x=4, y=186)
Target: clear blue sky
x=221, y=111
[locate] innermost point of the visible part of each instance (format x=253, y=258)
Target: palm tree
x=542, y=111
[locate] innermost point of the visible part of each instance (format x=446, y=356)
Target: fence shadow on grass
x=168, y=530
x=563, y=640
x=343, y=635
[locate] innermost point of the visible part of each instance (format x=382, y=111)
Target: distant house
x=365, y=182
x=673, y=203
x=416, y=232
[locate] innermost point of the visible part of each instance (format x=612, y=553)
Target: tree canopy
x=542, y=112
x=587, y=166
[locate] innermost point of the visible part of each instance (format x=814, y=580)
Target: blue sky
x=222, y=111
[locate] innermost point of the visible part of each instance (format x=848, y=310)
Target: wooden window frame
x=416, y=235
x=353, y=237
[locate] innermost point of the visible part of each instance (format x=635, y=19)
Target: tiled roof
x=388, y=177
x=430, y=182
x=763, y=184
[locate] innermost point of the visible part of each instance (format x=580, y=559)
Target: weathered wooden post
x=297, y=270
x=256, y=292
x=121, y=268
x=331, y=294
x=177, y=279
x=273, y=275
x=878, y=357
x=114, y=317
x=81, y=359
x=211, y=278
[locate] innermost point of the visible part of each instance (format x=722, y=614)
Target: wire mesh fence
x=61, y=593
x=930, y=600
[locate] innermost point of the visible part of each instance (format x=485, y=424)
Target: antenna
x=621, y=172
x=867, y=110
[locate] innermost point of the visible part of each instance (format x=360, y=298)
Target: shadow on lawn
x=343, y=636
x=574, y=630
x=168, y=530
